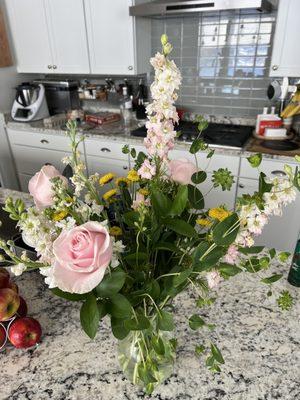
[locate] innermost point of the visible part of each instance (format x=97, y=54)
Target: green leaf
x=158, y=345
x=131, y=218
x=228, y=270
x=272, y=253
x=89, y=316
x=196, y=322
x=166, y=246
x=125, y=149
x=180, y=201
x=101, y=308
x=199, y=349
x=253, y=265
x=165, y=321
x=271, y=279
x=137, y=324
x=153, y=289
x=217, y=354
x=118, y=329
x=195, y=197
x=68, y=296
x=182, y=277
x=264, y=187
x=283, y=256
x=161, y=203
x=181, y=227
x=225, y=232
x=255, y=160
x=133, y=259
x=133, y=153
x=119, y=306
x=251, y=250
x=199, y=177
x=197, y=145
x=145, y=374
x=210, y=154
x=205, y=256
x=111, y=284
x=296, y=180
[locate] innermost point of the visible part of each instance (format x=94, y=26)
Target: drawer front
x=271, y=168
x=217, y=161
x=105, y=149
x=41, y=140
x=29, y=160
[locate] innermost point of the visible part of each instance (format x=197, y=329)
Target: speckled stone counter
x=260, y=343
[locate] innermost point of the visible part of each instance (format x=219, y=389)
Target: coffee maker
x=30, y=103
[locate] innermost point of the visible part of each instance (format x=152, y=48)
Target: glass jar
x=147, y=358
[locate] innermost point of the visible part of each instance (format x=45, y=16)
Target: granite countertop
x=116, y=132
x=259, y=342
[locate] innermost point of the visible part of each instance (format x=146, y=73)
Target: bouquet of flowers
x=127, y=253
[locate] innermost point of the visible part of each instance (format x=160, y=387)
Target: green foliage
x=196, y=322
x=164, y=321
x=89, y=316
x=283, y=256
x=223, y=178
x=181, y=227
x=255, y=160
x=228, y=270
x=207, y=255
x=179, y=202
x=216, y=354
x=15, y=209
x=199, y=349
x=119, y=306
x=225, y=232
x=111, y=284
x=125, y=149
x=196, y=198
x=68, y=296
x=197, y=145
x=285, y=300
x=264, y=186
x=199, y=177
x=272, y=279
x=161, y=203
x=118, y=328
x=137, y=323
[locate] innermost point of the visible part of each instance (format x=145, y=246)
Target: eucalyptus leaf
x=119, y=307
x=199, y=177
x=225, y=232
x=165, y=321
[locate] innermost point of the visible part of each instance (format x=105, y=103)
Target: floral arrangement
x=129, y=252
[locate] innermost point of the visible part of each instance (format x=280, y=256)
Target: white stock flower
x=18, y=269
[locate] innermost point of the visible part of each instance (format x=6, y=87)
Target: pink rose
x=181, y=171
x=40, y=186
x=82, y=256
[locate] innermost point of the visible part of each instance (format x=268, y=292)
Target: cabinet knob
x=44, y=141
x=125, y=167
x=130, y=67
x=49, y=66
x=105, y=150
x=54, y=66
x=278, y=173
x=275, y=67
x=241, y=186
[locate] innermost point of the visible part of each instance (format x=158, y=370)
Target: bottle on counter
x=126, y=107
x=294, y=274
x=139, y=101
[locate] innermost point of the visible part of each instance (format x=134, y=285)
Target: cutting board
x=5, y=54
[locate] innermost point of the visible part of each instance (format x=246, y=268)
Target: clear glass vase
x=147, y=358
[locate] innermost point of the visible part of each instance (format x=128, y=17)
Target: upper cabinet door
x=111, y=36
x=28, y=24
x=286, y=57
x=67, y=32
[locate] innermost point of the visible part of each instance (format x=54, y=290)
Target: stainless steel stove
x=216, y=135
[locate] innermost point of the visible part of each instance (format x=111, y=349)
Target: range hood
x=175, y=7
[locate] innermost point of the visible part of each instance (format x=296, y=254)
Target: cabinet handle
x=44, y=141
x=105, y=150
x=278, y=173
x=275, y=67
x=130, y=67
x=54, y=66
x=241, y=186
x=125, y=167
x=49, y=66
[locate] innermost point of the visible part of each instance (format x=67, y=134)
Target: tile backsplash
x=224, y=59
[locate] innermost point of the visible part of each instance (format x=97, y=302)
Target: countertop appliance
x=175, y=7
x=62, y=95
x=30, y=103
x=216, y=135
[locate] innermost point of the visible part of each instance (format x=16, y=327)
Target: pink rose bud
x=40, y=186
x=82, y=255
x=181, y=171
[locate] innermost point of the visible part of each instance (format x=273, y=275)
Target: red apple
x=4, y=278
x=24, y=332
x=13, y=286
x=2, y=335
x=22, y=310
x=9, y=303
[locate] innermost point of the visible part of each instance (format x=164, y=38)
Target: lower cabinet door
x=282, y=232
x=103, y=166
x=214, y=197
x=24, y=180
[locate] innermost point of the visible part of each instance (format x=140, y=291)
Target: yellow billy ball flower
x=133, y=176
x=106, y=178
x=59, y=215
x=115, y=231
x=203, y=222
x=219, y=213
x=122, y=180
x=108, y=195
x=144, y=192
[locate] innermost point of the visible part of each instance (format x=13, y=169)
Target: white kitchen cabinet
x=282, y=232
x=49, y=36
x=285, y=57
x=24, y=181
x=118, y=44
